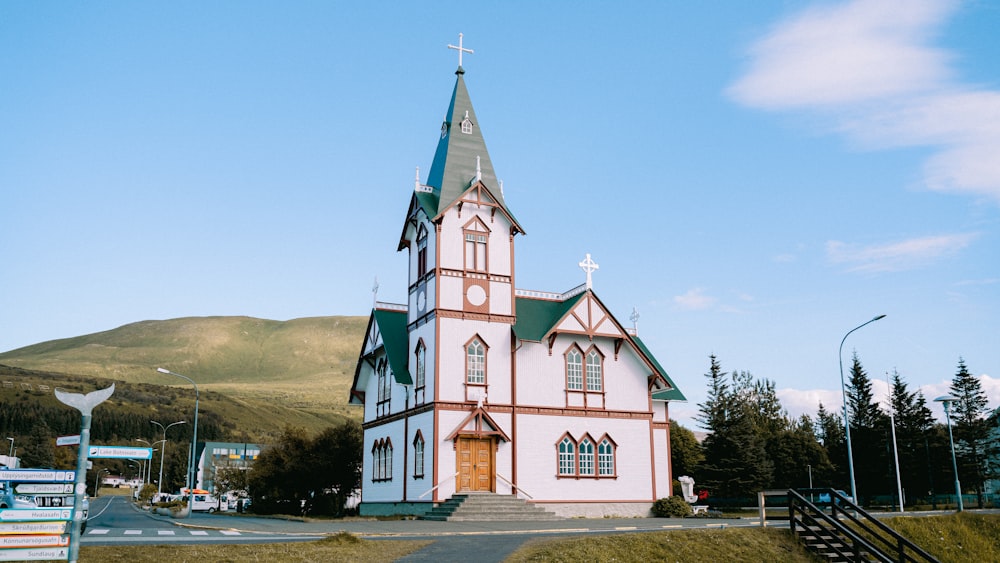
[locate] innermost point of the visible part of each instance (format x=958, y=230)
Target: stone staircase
x=488, y=507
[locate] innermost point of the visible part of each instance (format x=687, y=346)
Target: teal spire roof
x=455, y=162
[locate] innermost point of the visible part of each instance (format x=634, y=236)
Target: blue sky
x=756, y=178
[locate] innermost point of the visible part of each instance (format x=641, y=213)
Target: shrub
x=671, y=507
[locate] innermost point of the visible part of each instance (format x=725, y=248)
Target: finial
x=460, y=50
x=375, y=292
x=416, y=180
x=501, y=188
x=479, y=170
x=589, y=266
x=634, y=317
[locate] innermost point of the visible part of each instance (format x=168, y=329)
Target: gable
x=386, y=332
x=589, y=317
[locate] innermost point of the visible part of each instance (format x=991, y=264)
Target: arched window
x=421, y=251
x=475, y=362
x=586, y=457
x=606, y=458
x=594, y=370
x=388, y=460
x=567, y=456
x=418, y=455
x=574, y=369
x=421, y=364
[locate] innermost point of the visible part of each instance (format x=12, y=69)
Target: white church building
x=473, y=385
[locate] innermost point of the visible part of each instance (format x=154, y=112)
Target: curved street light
x=194, y=440
x=946, y=401
x=847, y=420
x=152, y=446
x=163, y=452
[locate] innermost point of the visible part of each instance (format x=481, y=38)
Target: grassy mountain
x=270, y=372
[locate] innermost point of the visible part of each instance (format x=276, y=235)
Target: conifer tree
x=913, y=423
x=869, y=435
x=971, y=431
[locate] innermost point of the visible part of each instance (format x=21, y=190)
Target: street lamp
x=194, y=440
x=895, y=450
x=163, y=452
x=153, y=448
x=946, y=401
x=847, y=421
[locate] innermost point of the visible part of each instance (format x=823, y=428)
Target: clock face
x=476, y=295
x=421, y=301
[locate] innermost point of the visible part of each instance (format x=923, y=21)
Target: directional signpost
x=36, y=534
x=119, y=452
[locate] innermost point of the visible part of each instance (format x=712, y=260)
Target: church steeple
x=461, y=157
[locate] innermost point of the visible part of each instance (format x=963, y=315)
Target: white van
x=204, y=502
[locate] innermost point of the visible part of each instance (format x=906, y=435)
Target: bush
x=671, y=507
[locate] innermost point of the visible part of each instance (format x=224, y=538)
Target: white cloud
x=892, y=257
x=695, y=300
x=870, y=66
x=799, y=402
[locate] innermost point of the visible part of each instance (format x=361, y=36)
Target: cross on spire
x=634, y=317
x=375, y=293
x=460, y=49
x=589, y=266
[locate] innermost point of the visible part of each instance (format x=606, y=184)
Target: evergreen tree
x=685, y=451
x=913, y=422
x=870, y=438
x=971, y=431
x=712, y=413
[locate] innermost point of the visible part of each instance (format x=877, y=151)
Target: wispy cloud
x=695, y=300
x=871, y=67
x=893, y=257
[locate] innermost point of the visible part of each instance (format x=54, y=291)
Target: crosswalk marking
x=148, y=531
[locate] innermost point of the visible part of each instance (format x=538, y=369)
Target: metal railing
x=434, y=488
x=866, y=536
x=514, y=487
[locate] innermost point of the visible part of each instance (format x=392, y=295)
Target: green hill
x=269, y=372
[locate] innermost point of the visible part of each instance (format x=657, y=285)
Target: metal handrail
x=432, y=489
x=843, y=506
x=514, y=487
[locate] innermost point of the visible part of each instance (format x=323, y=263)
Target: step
x=484, y=507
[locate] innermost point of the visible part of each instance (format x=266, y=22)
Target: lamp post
x=847, y=420
x=895, y=450
x=163, y=452
x=194, y=440
x=946, y=401
x=149, y=465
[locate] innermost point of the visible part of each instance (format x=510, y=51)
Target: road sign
x=34, y=541
x=119, y=452
x=34, y=514
x=44, y=488
x=38, y=475
x=32, y=527
x=35, y=554
x=68, y=440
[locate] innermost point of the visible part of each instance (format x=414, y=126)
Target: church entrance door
x=476, y=458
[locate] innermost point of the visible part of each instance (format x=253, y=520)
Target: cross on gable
x=588, y=265
x=460, y=49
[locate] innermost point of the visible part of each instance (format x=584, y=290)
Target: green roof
x=536, y=317
x=392, y=327
x=672, y=394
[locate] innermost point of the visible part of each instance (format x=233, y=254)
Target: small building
x=216, y=456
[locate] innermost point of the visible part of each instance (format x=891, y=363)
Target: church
x=474, y=385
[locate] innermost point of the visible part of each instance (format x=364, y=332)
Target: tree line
x=754, y=445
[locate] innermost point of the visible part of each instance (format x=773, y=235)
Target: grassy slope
x=272, y=372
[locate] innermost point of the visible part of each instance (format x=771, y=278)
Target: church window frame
x=421, y=251
x=467, y=125
x=476, y=246
x=476, y=352
x=421, y=365
x=383, y=405
x=607, y=457
x=566, y=456
x=585, y=457
x=594, y=370
x=574, y=368
x=418, y=455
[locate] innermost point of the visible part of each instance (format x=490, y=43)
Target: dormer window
x=444, y=129
x=467, y=124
